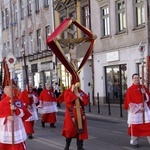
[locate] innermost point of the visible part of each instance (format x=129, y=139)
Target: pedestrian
x=6, y=117
x=70, y=128
x=48, y=106
x=29, y=100
x=39, y=90
x=116, y=90
x=57, y=92
x=137, y=125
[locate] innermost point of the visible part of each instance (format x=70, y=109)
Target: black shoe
x=43, y=124
x=66, y=148
x=30, y=136
x=81, y=148
x=136, y=146
x=52, y=125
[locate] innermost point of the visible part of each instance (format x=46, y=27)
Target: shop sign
x=47, y=66
x=112, y=56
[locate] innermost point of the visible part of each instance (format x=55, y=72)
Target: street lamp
x=141, y=50
x=25, y=66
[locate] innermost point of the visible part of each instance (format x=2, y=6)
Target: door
x=115, y=83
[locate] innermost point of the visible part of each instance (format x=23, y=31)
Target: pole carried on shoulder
x=11, y=60
x=78, y=110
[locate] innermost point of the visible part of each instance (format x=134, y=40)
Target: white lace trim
x=6, y=131
x=48, y=107
x=135, y=117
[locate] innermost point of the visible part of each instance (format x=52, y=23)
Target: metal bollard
x=109, y=112
x=98, y=104
x=89, y=102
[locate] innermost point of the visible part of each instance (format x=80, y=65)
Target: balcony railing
x=38, y=55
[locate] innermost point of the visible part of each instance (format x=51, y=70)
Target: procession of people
x=19, y=113
x=19, y=109
x=23, y=113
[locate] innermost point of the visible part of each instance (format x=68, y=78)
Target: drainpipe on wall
x=92, y=65
x=148, y=43
x=11, y=27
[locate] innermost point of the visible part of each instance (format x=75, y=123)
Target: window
x=15, y=13
x=121, y=17
x=23, y=43
x=63, y=34
x=21, y=9
x=46, y=3
x=140, y=13
x=37, y=7
x=8, y=47
x=3, y=20
x=39, y=39
x=105, y=21
x=72, y=30
x=7, y=18
x=85, y=12
x=48, y=32
x=4, y=49
x=17, y=52
x=29, y=7
x=30, y=43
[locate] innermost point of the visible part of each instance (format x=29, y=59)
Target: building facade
x=121, y=25
x=26, y=25
x=77, y=10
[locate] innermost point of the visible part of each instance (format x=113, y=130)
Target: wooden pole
x=78, y=111
x=10, y=59
x=12, y=102
x=143, y=95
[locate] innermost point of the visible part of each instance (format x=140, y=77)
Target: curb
x=98, y=117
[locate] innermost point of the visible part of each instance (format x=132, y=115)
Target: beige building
x=77, y=10
x=26, y=25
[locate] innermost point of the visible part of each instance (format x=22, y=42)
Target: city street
x=104, y=134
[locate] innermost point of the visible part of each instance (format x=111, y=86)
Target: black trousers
x=79, y=142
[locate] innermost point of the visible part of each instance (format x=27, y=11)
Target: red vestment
x=4, y=113
x=48, y=96
x=69, y=129
x=24, y=97
x=134, y=96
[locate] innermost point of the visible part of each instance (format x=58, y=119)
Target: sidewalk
x=115, y=113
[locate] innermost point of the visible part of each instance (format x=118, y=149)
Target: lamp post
x=25, y=67
x=141, y=50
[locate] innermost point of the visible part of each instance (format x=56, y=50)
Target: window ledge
x=105, y=37
x=138, y=27
x=37, y=11
x=121, y=32
x=46, y=6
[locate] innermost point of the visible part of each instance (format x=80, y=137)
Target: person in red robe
x=70, y=128
x=6, y=117
x=48, y=107
x=137, y=124
x=29, y=100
